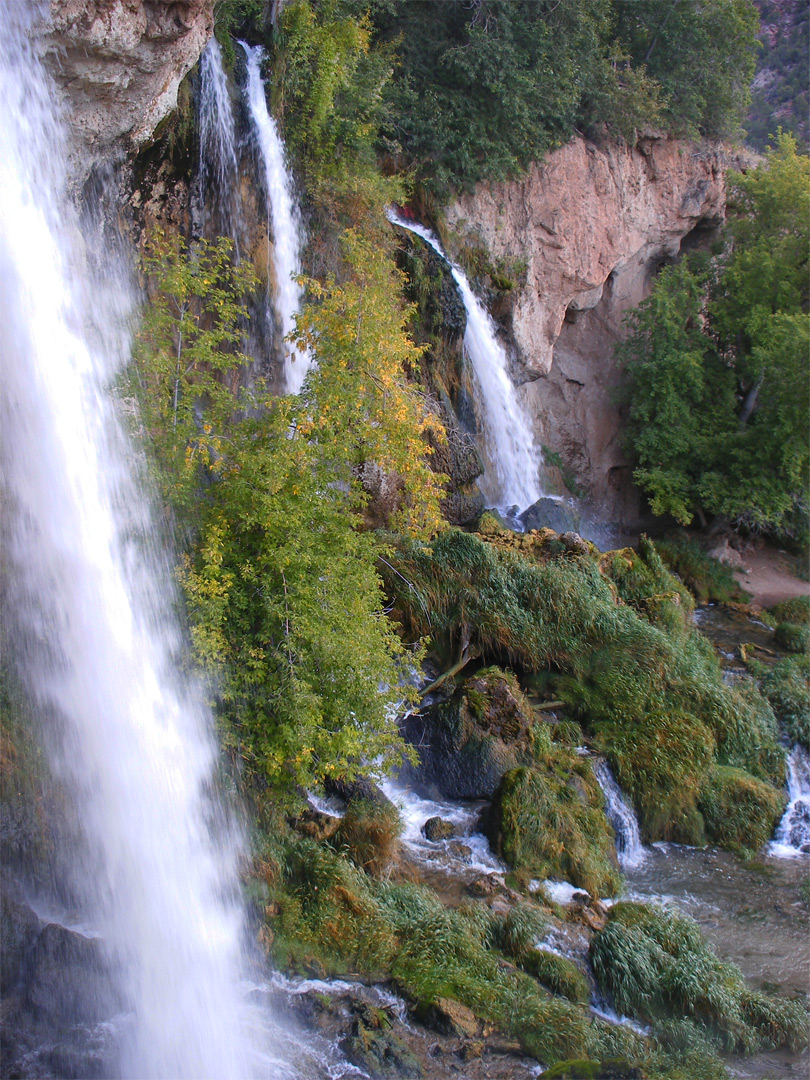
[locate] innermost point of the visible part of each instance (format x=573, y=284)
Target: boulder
x=551, y=514
x=69, y=980
x=19, y=927
x=452, y=1018
x=437, y=828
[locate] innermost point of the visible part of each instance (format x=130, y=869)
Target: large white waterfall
x=219, y=161
x=511, y=458
x=135, y=746
x=284, y=218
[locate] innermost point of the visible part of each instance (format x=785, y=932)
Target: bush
x=369, y=832
x=740, y=811
x=793, y=638
x=707, y=579
x=549, y=821
x=796, y=610
x=787, y=688
x=654, y=963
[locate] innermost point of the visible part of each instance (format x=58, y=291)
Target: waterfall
x=218, y=163
x=620, y=815
x=93, y=604
x=283, y=217
x=512, y=462
x=792, y=836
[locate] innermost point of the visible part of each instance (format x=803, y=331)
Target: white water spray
x=621, y=816
x=135, y=746
x=512, y=461
x=219, y=163
x=792, y=836
x=283, y=217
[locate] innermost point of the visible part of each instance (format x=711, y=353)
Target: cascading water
x=628, y=835
x=283, y=217
x=219, y=162
x=512, y=462
x=792, y=836
x=134, y=745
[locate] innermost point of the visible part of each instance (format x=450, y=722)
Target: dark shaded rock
x=376, y=1049
x=437, y=828
x=19, y=927
x=468, y=742
x=486, y=885
x=68, y=979
x=550, y=514
x=362, y=790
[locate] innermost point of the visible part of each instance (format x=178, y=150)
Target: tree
x=718, y=363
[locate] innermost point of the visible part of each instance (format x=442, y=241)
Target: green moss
x=654, y=964
x=793, y=637
x=549, y=821
x=787, y=688
x=796, y=611
x=739, y=810
x=643, y=581
x=709, y=580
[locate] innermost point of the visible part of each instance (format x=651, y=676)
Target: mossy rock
x=793, y=637
x=377, y=1050
x=740, y=811
x=643, y=582
x=796, y=611
x=544, y=824
x=468, y=742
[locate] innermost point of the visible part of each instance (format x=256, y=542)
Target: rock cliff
x=119, y=64
x=591, y=224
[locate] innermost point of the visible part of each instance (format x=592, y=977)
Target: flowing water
x=219, y=159
x=283, y=214
x=512, y=461
x=622, y=817
x=93, y=605
x=792, y=837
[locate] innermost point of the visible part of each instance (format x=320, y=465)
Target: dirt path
x=771, y=576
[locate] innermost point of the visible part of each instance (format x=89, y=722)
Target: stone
x=19, y=927
x=452, y=1018
x=460, y=850
x=592, y=225
x=437, y=828
x=316, y=824
x=550, y=514
x=363, y=790
x=69, y=981
x=485, y=885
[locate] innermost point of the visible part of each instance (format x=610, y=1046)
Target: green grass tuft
x=787, y=688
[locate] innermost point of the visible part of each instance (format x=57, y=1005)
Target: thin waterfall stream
x=512, y=459
x=135, y=746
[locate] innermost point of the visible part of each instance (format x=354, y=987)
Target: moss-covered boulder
x=469, y=741
x=373, y=1047
x=740, y=811
x=549, y=821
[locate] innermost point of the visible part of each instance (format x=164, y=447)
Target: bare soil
x=770, y=576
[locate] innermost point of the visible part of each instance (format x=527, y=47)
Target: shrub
x=654, y=963
x=740, y=811
x=707, y=578
x=369, y=832
x=796, y=610
x=792, y=637
x=787, y=688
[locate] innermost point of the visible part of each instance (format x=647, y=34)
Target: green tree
x=718, y=363
x=284, y=597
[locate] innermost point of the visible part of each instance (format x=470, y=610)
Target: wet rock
x=460, y=850
x=373, y=1047
x=468, y=742
x=19, y=927
x=437, y=828
x=69, y=980
x=486, y=885
x=452, y=1018
x=551, y=514
x=471, y=1050
x=362, y=790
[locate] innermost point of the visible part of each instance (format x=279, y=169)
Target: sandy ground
x=770, y=576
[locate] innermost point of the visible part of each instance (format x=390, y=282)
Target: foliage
x=654, y=963
x=793, y=638
x=283, y=594
x=796, y=610
x=709, y=580
x=651, y=693
x=787, y=688
x=717, y=361
x=369, y=833
x=484, y=88
x=549, y=821
x=739, y=809
x=780, y=88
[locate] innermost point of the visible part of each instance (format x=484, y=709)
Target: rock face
x=592, y=224
x=120, y=63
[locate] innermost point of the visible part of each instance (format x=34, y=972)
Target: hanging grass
x=655, y=964
x=787, y=688
x=741, y=809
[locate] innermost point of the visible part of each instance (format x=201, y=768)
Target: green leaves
x=718, y=363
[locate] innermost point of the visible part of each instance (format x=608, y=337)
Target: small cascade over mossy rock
x=610, y=636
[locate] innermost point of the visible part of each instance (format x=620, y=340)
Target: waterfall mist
x=96, y=639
